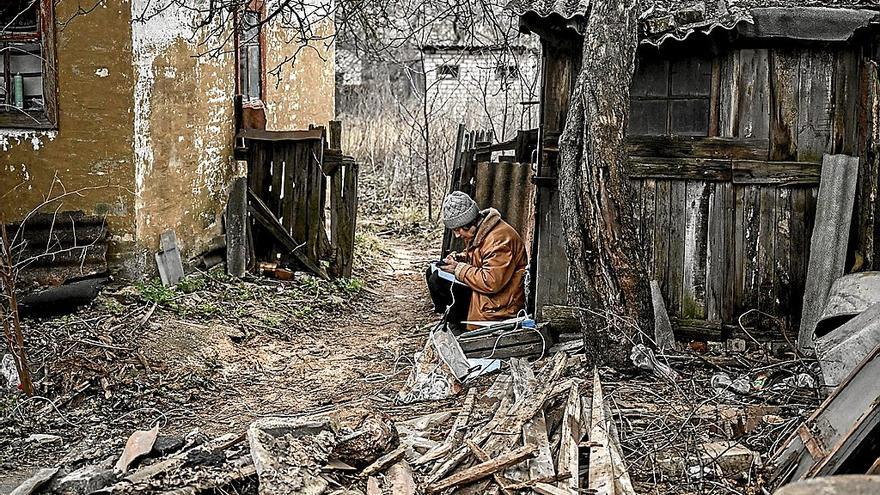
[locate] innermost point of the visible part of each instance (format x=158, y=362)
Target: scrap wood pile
x=715, y=427
x=527, y=435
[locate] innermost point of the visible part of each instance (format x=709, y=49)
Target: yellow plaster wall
x=191, y=130
x=91, y=152
x=306, y=89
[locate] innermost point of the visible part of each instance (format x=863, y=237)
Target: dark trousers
x=443, y=297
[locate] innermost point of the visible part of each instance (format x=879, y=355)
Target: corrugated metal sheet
x=55, y=247
x=507, y=187
x=664, y=21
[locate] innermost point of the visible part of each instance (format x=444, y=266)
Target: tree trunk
x=609, y=280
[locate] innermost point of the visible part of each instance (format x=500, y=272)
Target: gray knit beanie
x=459, y=210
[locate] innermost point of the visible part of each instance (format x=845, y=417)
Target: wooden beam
x=601, y=474
x=263, y=215
x=570, y=437
x=535, y=429
x=383, y=462
x=483, y=469
x=698, y=147
x=483, y=457
x=260, y=135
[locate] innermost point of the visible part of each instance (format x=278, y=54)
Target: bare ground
x=220, y=373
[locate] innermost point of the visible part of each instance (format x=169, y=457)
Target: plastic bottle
x=18, y=90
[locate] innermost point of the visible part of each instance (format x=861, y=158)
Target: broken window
x=671, y=97
x=447, y=71
x=250, y=56
x=27, y=73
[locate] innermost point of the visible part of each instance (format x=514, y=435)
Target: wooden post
x=236, y=228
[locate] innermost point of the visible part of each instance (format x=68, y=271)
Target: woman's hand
x=449, y=263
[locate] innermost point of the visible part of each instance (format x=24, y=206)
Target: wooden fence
x=294, y=178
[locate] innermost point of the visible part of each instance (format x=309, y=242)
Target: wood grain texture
x=814, y=115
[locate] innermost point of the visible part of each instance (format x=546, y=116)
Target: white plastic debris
x=644, y=358
x=722, y=382
x=9, y=372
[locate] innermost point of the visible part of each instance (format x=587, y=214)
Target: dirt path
x=219, y=380
x=360, y=358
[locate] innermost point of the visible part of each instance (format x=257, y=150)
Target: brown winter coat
x=494, y=269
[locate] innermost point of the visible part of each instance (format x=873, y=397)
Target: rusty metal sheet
x=507, y=187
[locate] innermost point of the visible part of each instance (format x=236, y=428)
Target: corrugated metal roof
x=667, y=20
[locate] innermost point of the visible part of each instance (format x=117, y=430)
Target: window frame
x=259, y=7
x=711, y=99
x=47, y=119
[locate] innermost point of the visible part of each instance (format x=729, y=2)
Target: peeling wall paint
x=12, y=137
x=304, y=91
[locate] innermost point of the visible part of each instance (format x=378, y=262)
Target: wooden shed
x=733, y=106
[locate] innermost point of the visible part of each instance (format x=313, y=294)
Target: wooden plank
x=716, y=252
x=766, y=252
x=260, y=135
x=506, y=339
x=236, y=228
x=677, y=223
x=661, y=236
x=289, y=214
x=867, y=212
x=647, y=223
x=383, y=462
x=693, y=299
x=570, y=438
x=483, y=457
x=753, y=94
x=739, y=261
x=728, y=204
x=799, y=241
x=845, y=109
x=709, y=148
x=679, y=168
x=275, y=202
x=728, y=116
x=776, y=173
x=784, y=100
x=456, y=433
x=622, y=482
x=264, y=217
x=782, y=257
x=483, y=469
x=814, y=114
x=520, y=350
x=535, y=429
x=399, y=477
x=751, y=240
x=601, y=471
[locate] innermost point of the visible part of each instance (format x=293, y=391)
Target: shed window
x=671, y=97
x=447, y=71
x=27, y=69
x=250, y=56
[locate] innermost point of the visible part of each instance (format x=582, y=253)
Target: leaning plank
x=264, y=217
x=535, y=429
x=383, y=462
x=570, y=437
x=622, y=482
x=483, y=457
x=663, y=336
x=830, y=239
x=601, y=473
x=483, y=469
